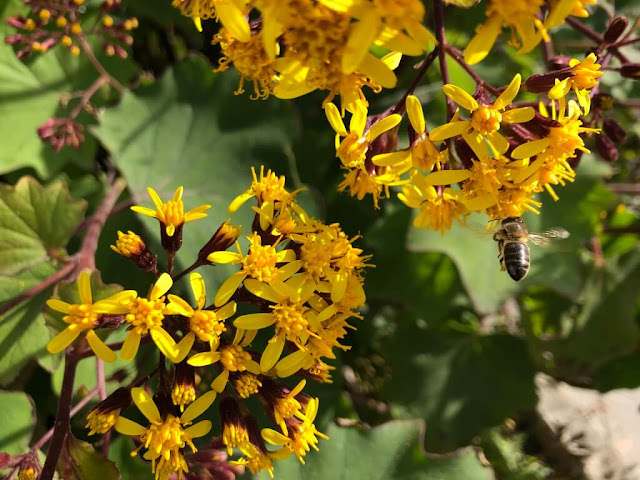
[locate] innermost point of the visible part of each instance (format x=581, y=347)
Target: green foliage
x=36, y=223
x=79, y=461
x=391, y=450
x=16, y=422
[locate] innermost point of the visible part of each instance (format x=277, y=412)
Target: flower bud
x=131, y=246
x=606, y=148
x=172, y=243
x=630, y=70
x=543, y=82
x=613, y=130
x=104, y=415
x=616, y=28
x=225, y=236
x=184, y=385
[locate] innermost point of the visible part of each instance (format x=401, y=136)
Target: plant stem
x=401, y=106
x=457, y=56
x=595, y=36
x=86, y=96
x=438, y=14
x=97, y=65
x=61, y=426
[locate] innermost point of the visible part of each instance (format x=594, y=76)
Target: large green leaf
x=79, y=461
x=189, y=129
x=559, y=267
x=459, y=383
x=16, y=422
x=36, y=223
x=390, y=451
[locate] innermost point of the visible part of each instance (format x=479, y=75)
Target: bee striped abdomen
x=516, y=259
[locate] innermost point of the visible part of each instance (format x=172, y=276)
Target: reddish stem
x=97, y=65
x=87, y=95
x=438, y=15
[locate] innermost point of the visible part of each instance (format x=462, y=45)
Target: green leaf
x=458, y=383
x=622, y=372
x=559, y=267
x=16, y=422
x=36, y=223
x=133, y=467
x=79, y=461
x=391, y=450
x=189, y=129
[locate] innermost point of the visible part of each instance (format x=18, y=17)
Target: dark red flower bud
x=630, y=70
x=558, y=62
x=543, y=82
x=613, y=130
x=606, y=148
x=616, y=28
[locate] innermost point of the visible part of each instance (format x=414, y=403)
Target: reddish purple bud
x=16, y=22
x=543, y=82
x=613, y=130
x=558, y=62
x=606, y=148
x=61, y=132
x=630, y=70
x=616, y=28
x=13, y=39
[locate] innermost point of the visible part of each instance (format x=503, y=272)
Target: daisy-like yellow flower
x=481, y=131
x=171, y=214
x=584, y=77
x=282, y=402
x=167, y=434
x=261, y=263
x=85, y=317
x=231, y=13
x=437, y=208
x=355, y=142
x=233, y=358
x=208, y=325
x=302, y=433
x=146, y=316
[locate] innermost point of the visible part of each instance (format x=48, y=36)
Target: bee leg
x=503, y=266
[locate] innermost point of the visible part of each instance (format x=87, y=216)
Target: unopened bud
x=225, y=236
x=29, y=24
x=104, y=416
x=109, y=50
x=66, y=41
x=75, y=50
x=131, y=246
x=616, y=28
x=606, y=148
x=76, y=29
x=559, y=62
x=614, y=131
x=543, y=82
x=183, y=390
x=45, y=15
x=630, y=70
x=61, y=22
x=107, y=21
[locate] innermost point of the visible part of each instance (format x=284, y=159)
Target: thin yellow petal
x=362, y=35
x=199, y=289
x=62, y=340
x=237, y=202
x=273, y=437
x=262, y=290
x=102, y=351
x=461, y=97
x=447, y=177
x=529, y=149
x=129, y=427
x=254, y=321
x=58, y=305
x=271, y=353
x=378, y=71
x=227, y=311
x=416, y=114
x=291, y=363
x=183, y=347
x=384, y=125
x=162, y=286
x=449, y=130
x=130, y=346
x=165, y=343
x=233, y=20
x=221, y=381
x=498, y=143
x=477, y=144
x=483, y=41
x=333, y=115
x=228, y=288
x=509, y=94
x=339, y=287
x=84, y=288
x=178, y=306
x=199, y=406
x=393, y=158
x=145, y=211
x=155, y=198
x=203, y=359
x=145, y=404
x=200, y=429
x=518, y=115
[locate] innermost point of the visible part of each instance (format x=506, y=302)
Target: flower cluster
x=491, y=157
x=299, y=282
x=51, y=23
x=298, y=46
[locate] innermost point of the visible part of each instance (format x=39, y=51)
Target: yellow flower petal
x=483, y=41
x=203, y=359
x=378, y=71
x=221, y=381
x=155, y=198
x=233, y=20
x=164, y=342
x=449, y=130
x=271, y=353
x=333, y=115
x=199, y=289
x=162, y=286
x=62, y=340
x=391, y=159
x=237, y=202
x=392, y=59
x=84, y=288
x=178, y=306
x=362, y=35
x=183, y=347
x=274, y=438
x=228, y=288
x=200, y=429
x=58, y=305
x=144, y=211
x=420, y=34
x=481, y=202
x=401, y=43
x=227, y=311
x=461, y=97
x=145, y=404
x=384, y=125
x=529, y=149
x=509, y=94
x=291, y=363
x=224, y=257
x=416, y=114
x=339, y=287
x=359, y=119
x=518, y=115
x=446, y=177
x=102, y=351
x=477, y=144
x=498, y=143
x=199, y=406
x=254, y=321
x=130, y=346
x=262, y=290
x=129, y=427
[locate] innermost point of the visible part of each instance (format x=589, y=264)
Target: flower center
x=233, y=358
x=290, y=320
x=316, y=256
x=247, y=384
x=129, y=244
x=286, y=407
x=83, y=316
x=164, y=440
x=269, y=188
x=146, y=314
x=101, y=422
x=260, y=263
x=486, y=120
x=171, y=213
x=565, y=140
x=206, y=325
x=398, y=12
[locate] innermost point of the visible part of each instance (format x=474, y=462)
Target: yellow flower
x=231, y=14
x=282, y=402
x=303, y=434
x=145, y=316
x=104, y=415
x=481, y=131
x=208, y=325
x=128, y=244
x=166, y=435
x=584, y=77
x=246, y=384
x=171, y=214
x=85, y=317
x=261, y=263
x=359, y=183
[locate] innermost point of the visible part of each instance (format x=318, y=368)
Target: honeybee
x=512, y=238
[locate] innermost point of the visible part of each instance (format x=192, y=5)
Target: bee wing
x=542, y=238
